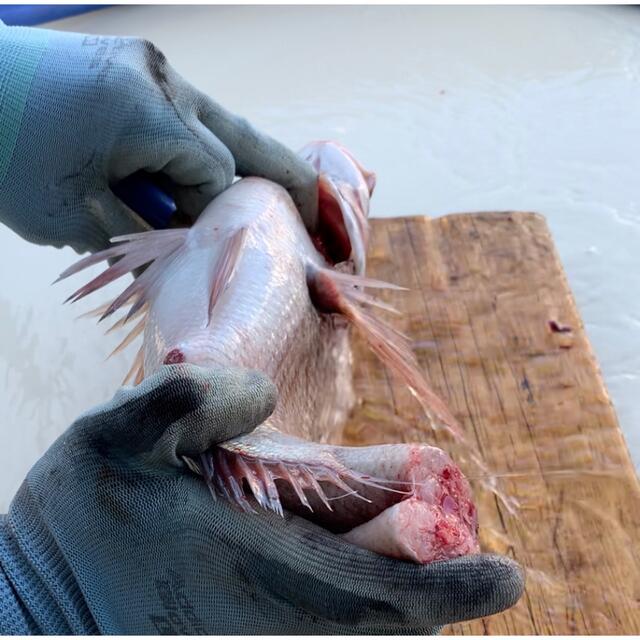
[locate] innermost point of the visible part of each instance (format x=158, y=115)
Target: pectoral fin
x=336, y=292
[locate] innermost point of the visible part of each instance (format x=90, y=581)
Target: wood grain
x=529, y=394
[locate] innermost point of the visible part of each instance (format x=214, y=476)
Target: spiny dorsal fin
x=153, y=248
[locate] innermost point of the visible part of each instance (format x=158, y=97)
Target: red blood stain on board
x=557, y=327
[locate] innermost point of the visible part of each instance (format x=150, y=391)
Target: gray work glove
x=79, y=113
x=111, y=533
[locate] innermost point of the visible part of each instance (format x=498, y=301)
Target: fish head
x=345, y=188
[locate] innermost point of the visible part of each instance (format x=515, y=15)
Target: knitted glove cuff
x=15, y=619
x=44, y=590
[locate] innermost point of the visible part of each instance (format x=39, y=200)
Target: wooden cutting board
x=496, y=328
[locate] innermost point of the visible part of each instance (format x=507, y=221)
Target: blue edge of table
x=26, y=15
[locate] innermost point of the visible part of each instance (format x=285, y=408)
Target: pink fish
x=248, y=286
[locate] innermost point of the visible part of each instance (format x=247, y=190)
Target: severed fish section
x=405, y=501
x=248, y=286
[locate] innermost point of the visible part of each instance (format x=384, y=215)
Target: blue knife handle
x=152, y=203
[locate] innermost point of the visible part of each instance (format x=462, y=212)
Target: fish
x=247, y=285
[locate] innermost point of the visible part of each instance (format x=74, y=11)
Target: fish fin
x=228, y=472
x=336, y=292
x=125, y=245
x=131, y=336
x=136, y=373
x=153, y=248
x=127, y=318
x=226, y=266
x=134, y=251
x=95, y=313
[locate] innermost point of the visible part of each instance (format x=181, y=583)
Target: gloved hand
x=111, y=533
x=79, y=113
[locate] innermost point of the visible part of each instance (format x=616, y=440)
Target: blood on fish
x=175, y=356
x=446, y=533
x=333, y=236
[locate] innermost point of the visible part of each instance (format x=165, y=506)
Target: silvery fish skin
x=265, y=319
x=248, y=286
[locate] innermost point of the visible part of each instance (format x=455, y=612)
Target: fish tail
x=154, y=249
x=336, y=292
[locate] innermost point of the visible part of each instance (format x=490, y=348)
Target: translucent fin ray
x=392, y=347
x=153, y=248
x=125, y=319
x=131, y=336
x=228, y=473
x=226, y=266
x=137, y=368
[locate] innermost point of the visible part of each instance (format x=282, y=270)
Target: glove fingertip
x=486, y=584
x=509, y=582
x=244, y=397
x=227, y=402
x=305, y=198
x=192, y=201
